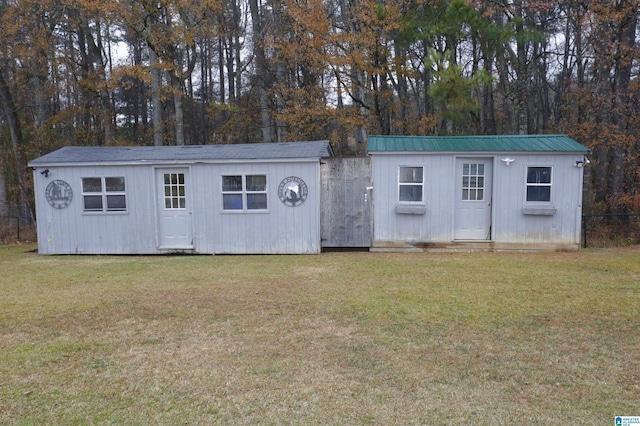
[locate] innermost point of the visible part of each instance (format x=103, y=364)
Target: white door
x=174, y=209
x=472, y=217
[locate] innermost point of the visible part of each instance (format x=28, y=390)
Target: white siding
x=70, y=230
x=437, y=222
x=282, y=229
x=509, y=223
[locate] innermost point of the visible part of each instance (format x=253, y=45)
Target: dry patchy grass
x=11, y=232
x=340, y=338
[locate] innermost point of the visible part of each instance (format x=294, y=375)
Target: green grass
x=339, y=339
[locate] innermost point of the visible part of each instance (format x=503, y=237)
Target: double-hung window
x=104, y=194
x=244, y=192
x=410, y=184
x=539, y=184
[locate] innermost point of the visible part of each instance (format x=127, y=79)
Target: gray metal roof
x=522, y=143
x=184, y=154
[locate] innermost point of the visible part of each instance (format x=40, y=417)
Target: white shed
x=486, y=192
x=252, y=198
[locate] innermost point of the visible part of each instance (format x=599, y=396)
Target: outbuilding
x=236, y=199
x=520, y=192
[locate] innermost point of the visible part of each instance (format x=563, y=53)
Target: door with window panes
x=174, y=209
x=472, y=216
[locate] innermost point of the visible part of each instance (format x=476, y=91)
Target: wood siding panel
x=436, y=223
x=345, y=202
x=509, y=223
x=282, y=229
x=71, y=230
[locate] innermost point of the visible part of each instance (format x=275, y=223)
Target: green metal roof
x=522, y=143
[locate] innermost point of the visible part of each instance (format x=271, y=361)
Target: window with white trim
x=244, y=192
x=473, y=182
x=410, y=184
x=175, y=195
x=104, y=194
x=539, y=183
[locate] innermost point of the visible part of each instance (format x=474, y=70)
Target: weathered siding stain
x=509, y=223
x=346, y=202
x=280, y=229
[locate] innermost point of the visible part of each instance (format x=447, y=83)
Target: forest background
x=141, y=72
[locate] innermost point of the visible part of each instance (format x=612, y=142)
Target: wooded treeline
x=142, y=72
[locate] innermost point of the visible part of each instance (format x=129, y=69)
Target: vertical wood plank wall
x=509, y=223
x=280, y=229
x=339, y=212
x=345, y=208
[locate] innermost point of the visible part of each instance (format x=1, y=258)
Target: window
x=175, y=197
x=472, y=182
x=410, y=183
x=539, y=184
x=244, y=192
x=104, y=194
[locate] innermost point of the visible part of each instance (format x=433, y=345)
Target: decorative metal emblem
x=59, y=194
x=292, y=191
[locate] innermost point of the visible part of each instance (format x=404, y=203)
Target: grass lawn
x=334, y=339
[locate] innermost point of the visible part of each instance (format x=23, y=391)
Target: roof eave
x=491, y=152
x=185, y=162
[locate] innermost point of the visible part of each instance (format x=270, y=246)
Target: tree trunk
x=238, y=47
x=179, y=111
x=488, y=105
x=525, y=98
x=236, y=53
x=3, y=190
x=564, y=78
x=509, y=125
x=626, y=35
x=94, y=53
x=206, y=89
x=222, y=64
x=15, y=131
x=258, y=51
x=156, y=101
x=357, y=77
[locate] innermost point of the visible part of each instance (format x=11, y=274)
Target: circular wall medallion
x=59, y=194
x=292, y=191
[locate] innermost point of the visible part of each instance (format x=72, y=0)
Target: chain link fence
x=610, y=230
x=15, y=223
